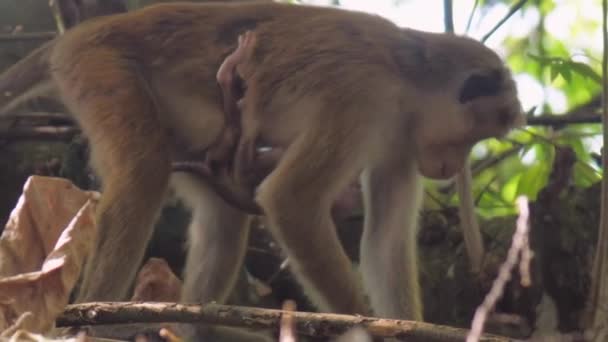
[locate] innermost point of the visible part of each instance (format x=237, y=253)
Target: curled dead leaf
x=156, y=282
x=42, y=249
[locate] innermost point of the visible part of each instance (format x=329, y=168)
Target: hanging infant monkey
x=234, y=168
x=235, y=184
x=223, y=155
x=219, y=160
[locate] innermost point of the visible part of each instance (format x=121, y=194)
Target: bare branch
x=519, y=244
x=598, y=296
x=471, y=15
x=60, y=133
x=11, y=37
x=512, y=11
x=448, y=17
x=307, y=324
x=562, y=120
x=57, y=15
x=287, y=334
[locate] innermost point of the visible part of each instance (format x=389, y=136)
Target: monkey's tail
x=28, y=84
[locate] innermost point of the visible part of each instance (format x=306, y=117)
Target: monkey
x=217, y=166
x=232, y=86
x=218, y=163
x=232, y=93
x=355, y=97
x=254, y=166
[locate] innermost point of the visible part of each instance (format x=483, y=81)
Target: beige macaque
x=343, y=94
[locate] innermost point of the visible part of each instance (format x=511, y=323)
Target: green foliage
x=563, y=66
x=566, y=67
x=560, y=53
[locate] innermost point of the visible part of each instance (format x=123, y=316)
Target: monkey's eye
x=478, y=85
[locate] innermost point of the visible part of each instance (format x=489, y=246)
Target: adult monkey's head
x=466, y=95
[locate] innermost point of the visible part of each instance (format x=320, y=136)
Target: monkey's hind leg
x=129, y=153
x=217, y=242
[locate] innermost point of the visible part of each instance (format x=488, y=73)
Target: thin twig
x=470, y=20
x=57, y=15
x=448, y=17
x=599, y=278
x=518, y=244
x=35, y=118
x=484, y=189
x=11, y=37
x=562, y=120
x=512, y=11
x=61, y=133
x=307, y=324
x=287, y=333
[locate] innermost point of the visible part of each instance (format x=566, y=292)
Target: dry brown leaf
x=156, y=282
x=42, y=249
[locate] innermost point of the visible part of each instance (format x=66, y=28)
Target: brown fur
x=343, y=93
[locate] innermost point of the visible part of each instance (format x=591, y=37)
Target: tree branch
x=561, y=120
x=596, y=314
x=512, y=11
x=11, y=37
x=308, y=324
x=61, y=133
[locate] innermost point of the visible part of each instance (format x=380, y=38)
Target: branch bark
x=562, y=120
x=27, y=36
x=308, y=324
x=60, y=133
x=596, y=306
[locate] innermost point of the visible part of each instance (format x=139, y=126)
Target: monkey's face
x=443, y=161
x=485, y=105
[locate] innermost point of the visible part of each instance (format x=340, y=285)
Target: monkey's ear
x=481, y=84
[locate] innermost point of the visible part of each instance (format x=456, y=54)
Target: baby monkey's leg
x=219, y=162
x=220, y=155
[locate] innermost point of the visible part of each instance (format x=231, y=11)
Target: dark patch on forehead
x=228, y=32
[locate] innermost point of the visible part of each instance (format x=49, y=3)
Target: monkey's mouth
x=441, y=171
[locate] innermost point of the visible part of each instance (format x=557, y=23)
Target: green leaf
x=566, y=73
x=554, y=72
x=585, y=175
x=585, y=71
x=509, y=190
x=534, y=179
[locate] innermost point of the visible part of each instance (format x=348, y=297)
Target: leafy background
x=554, y=51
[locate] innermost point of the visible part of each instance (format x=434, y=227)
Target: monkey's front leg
x=297, y=199
x=392, y=195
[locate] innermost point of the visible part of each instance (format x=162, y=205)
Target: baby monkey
x=219, y=155
x=237, y=184
x=218, y=163
x=233, y=166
